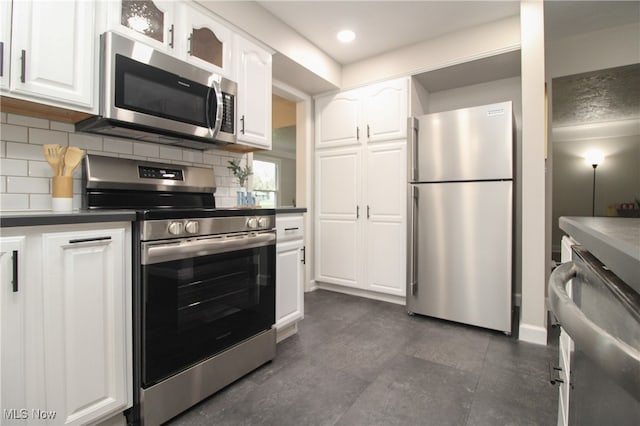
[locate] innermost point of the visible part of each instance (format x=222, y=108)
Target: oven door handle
x=165, y=252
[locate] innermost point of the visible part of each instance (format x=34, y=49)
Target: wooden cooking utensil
x=72, y=159
x=61, y=153
x=51, y=154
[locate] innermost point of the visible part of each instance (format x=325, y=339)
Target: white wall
x=25, y=176
x=463, y=46
x=533, y=310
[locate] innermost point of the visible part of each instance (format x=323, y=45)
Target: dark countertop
x=284, y=210
x=615, y=241
x=47, y=217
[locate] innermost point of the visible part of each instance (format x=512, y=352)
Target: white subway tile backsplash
x=23, y=120
x=63, y=127
x=117, y=145
x=28, y=185
x=87, y=142
x=14, y=202
x=25, y=176
x=40, y=201
x=41, y=136
x=170, y=153
x=146, y=150
x=11, y=167
x=40, y=169
x=13, y=133
x=192, y=156
x=24, y=151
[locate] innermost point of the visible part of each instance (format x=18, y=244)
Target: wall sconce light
x=594, y=158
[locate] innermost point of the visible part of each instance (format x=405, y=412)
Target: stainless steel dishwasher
x=602, y=317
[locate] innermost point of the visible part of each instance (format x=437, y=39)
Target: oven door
x=202, y=296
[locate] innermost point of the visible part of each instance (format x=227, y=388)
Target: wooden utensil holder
x=62, y=193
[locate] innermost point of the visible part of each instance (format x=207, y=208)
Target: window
x=265, y=182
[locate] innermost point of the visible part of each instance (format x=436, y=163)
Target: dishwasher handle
x=620, y=360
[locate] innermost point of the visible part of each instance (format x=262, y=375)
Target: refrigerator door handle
x=620, y=360
x=412, y=131
x=412, y=266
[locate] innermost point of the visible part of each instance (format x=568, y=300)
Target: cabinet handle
x=357, y=133
x=368, y=132
x=304, y=255
x=14, y=261
x=554, y=374
x=242, y=127
x=368, y=211
x=190, y=44
x=23, y=66
x=171, y=33
x=357, y=212
x=291, y=229
x=1, y=58
x=89, y=240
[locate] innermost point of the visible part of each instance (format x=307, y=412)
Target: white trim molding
x=532, y=334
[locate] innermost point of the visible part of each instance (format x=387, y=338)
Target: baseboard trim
x=287, y=331
x=532, y=334
x=398, y=300
x=311, y=286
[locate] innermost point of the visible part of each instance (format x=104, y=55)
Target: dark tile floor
x=362, y=362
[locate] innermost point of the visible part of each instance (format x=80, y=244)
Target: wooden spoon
x=61, y=153
x=72, y=159
x=51, y=155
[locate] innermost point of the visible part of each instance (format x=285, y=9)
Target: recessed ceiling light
x=346, y=36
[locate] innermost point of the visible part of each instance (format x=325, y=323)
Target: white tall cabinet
x=361, y=180
x=66, y=323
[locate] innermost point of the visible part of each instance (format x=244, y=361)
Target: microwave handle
x=214, y=96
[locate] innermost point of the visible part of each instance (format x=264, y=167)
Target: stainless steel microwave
x=150, y=96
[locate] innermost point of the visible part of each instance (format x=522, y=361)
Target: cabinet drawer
x=289, y=227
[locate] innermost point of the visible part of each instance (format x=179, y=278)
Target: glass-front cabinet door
x=206, y=43
x=151, y=22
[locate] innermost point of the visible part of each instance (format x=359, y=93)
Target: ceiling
x=382, y=26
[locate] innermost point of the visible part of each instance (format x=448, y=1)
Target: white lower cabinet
x=66, y=329
x=290, y=263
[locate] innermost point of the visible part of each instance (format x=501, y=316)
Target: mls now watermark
x=27, y=414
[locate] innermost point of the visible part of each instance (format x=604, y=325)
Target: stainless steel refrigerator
x=460, y=226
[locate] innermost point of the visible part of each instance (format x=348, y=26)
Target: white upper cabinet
x=5, y=42
x=205, y=42
x=369, y=114
x=338, y=119
x=385, y=110
x=152, y=22
x=253, y=75
x=52, y=51
x=180, y=29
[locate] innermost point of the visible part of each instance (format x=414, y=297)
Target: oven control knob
x=262, y=222
x=192, y=227
x=252, y=223
x=175, y=228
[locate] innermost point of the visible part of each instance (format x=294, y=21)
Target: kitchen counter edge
x=11, y=219
x=285, y=210
x=615, y=241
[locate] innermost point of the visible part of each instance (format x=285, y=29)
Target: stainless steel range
x=204, y=282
